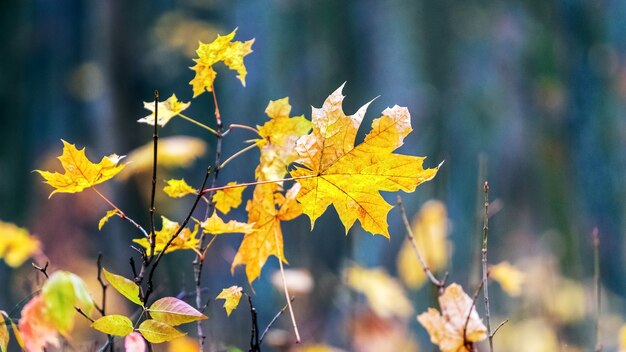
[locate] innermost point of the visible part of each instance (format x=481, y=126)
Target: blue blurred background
x=534, y=91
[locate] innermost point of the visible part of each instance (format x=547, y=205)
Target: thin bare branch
x=484, y=264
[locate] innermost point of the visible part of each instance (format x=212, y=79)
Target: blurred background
x=529, y=95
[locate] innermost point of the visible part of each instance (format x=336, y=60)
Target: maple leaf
x=186, y=239
x=216, y=226
x=178, y=188
x=221, y=49
x=226, y=199
x=448, y=329
x=16, y=244
x=168, y=109
x=279, y=134
x=267, y=208
x=334, y=171
x=231, y=297
x=80, y=173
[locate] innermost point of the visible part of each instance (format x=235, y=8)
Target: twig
x=212, y=189
x=250, y=147
x=282, y=274
x=484, y=264
x=269, y=326
x=155, y=143
x=440, y=284
x=120, y=213
x=218, y=117
x=596, y=278
x=199, y=124
x=499, y=326
x=467, y=343
x=80, y=311
x=43, y=270
x=255, y=344
x=102, y=285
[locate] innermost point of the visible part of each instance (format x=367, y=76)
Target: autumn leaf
x=226, y=199
x=448, y=328
x=36, y=329
x=134, y=342
x=385, y=295
x=221, y=49
x=172, y=311
x=184, y=344
x=186, y=239
x=231, y=297
x=157, y=332
x=16, y=244
x=279, y=134
x=178, y=188
x=106, y=217
x=333, y=171
x=62, y=292
x=216, y=226
x=117, y=325
x=124, y=286
x=80, y=173
x=4, y=331
x=509, y=277
x=167, y=110
x=267, y=208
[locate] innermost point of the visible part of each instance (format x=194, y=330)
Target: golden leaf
x=221, y=49
x=279, y=134
x=16, y=244
x=448, y=329
x=186, y=239
x=80, y=173
x=178, y=188
x=267, y=239
x=230, y=198
x=509, y=277
x=106, y=218
x=231, y=297
x=216, y=226
x=430, y=228
x=168, y=109
x=176, y=151
x=384, y=294
x=334, y=171
x=184, y=344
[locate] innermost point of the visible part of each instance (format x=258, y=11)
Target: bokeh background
x=529, y=95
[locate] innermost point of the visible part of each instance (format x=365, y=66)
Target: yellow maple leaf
x=178, y=188
x=226, y=199
x=279, y=134
x=16, y=244
x=384, y=294
x=334, y=171
x=231, y=297
x=80, y=173
x=186, y=239
x=267, y=208
x=221, y=49
x=168, y=109
x=430, y=228
x=216, y=226
x=509, y=277
x=106, y=217
x=448, y=328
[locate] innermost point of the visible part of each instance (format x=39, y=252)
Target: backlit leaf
x=80, y=173
x=509, y=277
x=334, y=171
x=16, y=244
x=173, y=311
x=221, y=49
x=446, y=329
x=117, y=325
x=167, y=110
x=186, y=239
x=178, y=188
x=4, y=331
x=62, y=292
x=126, y=287
x=106, y=218
x=226, y=199
x=157, y=332
x=215, y=226
x=231, y=297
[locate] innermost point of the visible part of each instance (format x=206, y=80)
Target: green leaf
x=124, y=286
x=61, y=293
x=157, y=332
x=173, y=311
x=114, y=324
x=4, y=332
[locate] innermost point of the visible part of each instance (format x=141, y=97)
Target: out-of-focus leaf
x=16, y=244
x=114, y=324
x=172, y=311
x=124, y=286
x=36, y=328
x=509, y=277
x=62, y=292
x=18, y=335
x=184, y=344
x=230, y=198
x=4, y=331
x=157, y=332
x=231, y=297
x=167, y=110
x=134, y=342
x=80, y=172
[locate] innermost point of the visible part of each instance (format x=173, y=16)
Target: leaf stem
x=218, y=117
x=204, y=191
x=282, y=275
x=243, y=127
x=484, y=264
x=250, y=147
x=198, y=123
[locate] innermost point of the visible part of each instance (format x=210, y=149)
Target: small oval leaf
x=124, y=286
x=157, y=332
x=114, y=324
x=173, y=311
